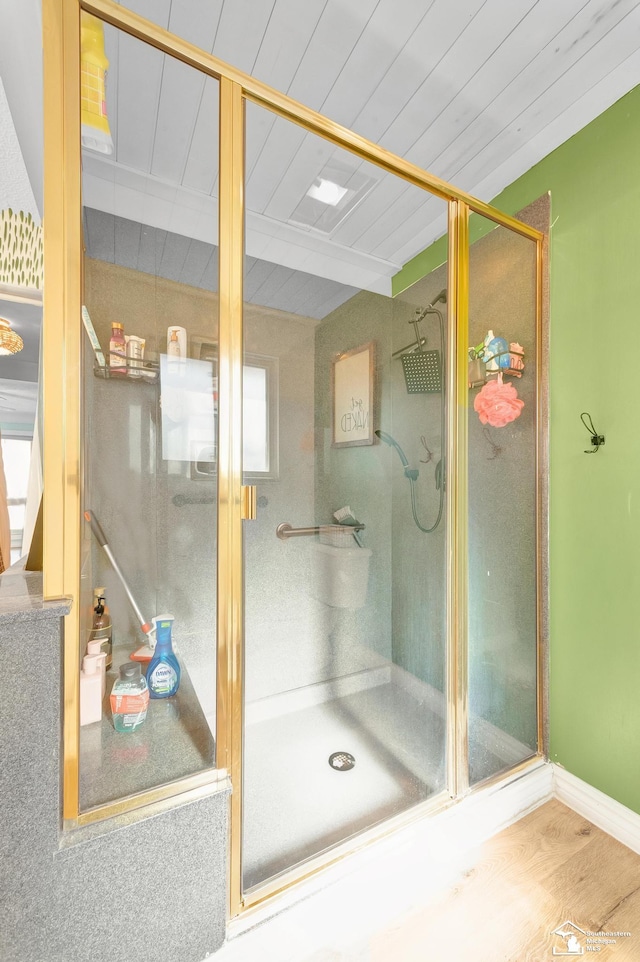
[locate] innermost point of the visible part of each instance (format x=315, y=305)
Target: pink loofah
x=497, y=403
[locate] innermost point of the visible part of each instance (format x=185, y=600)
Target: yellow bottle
x=95, y=124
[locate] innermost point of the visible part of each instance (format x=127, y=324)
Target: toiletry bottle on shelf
x=129, y=698
x=491, y=363
x=117, y=351
x=516, y=357
x=135, y=355
x=94, y=650
x=90, y=691
x=173, y=347
x=496, y=353
x=163, y=673
x=101, y=628
x=176, y=341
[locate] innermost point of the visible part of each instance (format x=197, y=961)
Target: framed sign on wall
x=352, y=392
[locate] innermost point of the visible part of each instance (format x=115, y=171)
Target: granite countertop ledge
x=21, y=597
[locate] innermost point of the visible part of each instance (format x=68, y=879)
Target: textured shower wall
x=168, y=553
x=502, y=510
x=502, y=499
x=282, y=650
x=402, y=620
x=419, y=558
x=358, y=477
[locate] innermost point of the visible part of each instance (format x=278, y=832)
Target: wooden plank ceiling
x=475, y=91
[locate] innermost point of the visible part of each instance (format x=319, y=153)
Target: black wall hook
x=596, y=439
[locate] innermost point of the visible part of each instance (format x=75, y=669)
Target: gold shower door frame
x=62, y=423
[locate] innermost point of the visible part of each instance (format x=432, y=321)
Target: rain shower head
x=422, y=368
x=422, y=372
x=393, y=444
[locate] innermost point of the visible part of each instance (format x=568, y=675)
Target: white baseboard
x=612, y=817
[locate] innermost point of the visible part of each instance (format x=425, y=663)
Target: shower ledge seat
x=174, y=741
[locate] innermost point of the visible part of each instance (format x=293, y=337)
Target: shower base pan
x=387, y=731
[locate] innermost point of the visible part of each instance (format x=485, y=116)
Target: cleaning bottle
x=163, y=673
x=129, y=698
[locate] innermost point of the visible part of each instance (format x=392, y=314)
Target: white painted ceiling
x=475, y=91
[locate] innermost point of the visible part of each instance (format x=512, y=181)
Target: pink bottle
x=90, y=691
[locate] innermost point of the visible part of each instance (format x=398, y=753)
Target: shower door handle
x=249, y=502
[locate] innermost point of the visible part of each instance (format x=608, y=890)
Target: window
x=16, y=454
x=260, y=417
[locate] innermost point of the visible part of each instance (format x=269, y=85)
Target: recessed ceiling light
x=327, y=192
x=336, y=190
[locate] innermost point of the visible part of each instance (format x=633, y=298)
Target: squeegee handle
x=101, y=537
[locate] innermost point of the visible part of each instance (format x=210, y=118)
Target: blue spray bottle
x=163, y=673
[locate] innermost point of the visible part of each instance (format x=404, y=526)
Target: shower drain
x=342, y=761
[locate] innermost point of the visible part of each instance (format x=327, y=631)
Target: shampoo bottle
x=117, y=351
x=163, y=673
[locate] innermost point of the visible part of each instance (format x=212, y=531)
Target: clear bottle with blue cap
x=163, y=673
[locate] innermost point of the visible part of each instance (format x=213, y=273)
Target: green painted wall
x=594, y=179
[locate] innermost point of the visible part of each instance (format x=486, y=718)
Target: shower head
x=393, y=444
x=442, y=296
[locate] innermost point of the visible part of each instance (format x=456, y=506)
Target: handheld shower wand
x=394, y=444
x=412, y=475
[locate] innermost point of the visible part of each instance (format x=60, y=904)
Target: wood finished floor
x=551, y=866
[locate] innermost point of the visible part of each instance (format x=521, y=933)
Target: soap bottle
x=94, y=651
x=117, y=351
x=90, y=691
x=173, y=347
x=163, y=673
x=129, y=698
x=101, y=628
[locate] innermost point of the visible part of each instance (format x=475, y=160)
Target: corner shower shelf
x=505, y=371
x=148, y=373
x=174, y=741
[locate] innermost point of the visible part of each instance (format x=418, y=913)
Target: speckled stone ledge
x=21, y=597
x=81, y=900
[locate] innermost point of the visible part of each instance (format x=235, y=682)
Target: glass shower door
x=344, y=680
x=150, y=290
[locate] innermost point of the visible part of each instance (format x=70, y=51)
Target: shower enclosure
x=330, y=476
